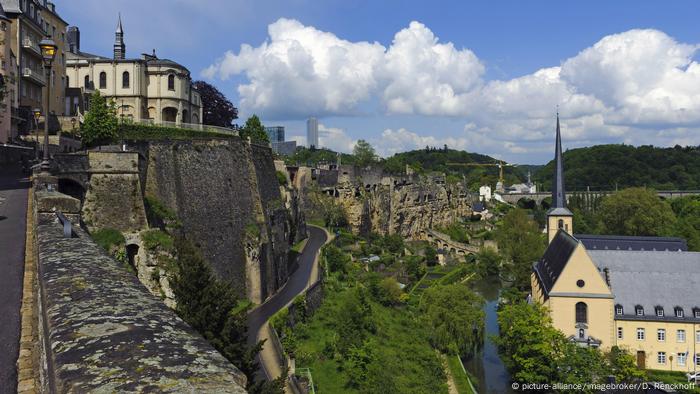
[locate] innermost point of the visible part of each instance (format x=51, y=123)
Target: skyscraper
x=312, y=133
x=275, y=133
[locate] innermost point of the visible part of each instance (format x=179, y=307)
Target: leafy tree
x=521, y=243
x=337, y=260
x=364, y=153
x=489, y=262
x=394, y=244
x=430, y=255
x=623, y=366
x=455, y=317
x=217, y=109
x=354, y=321
x=100, y=125
x=636, y=211
x=254, y=130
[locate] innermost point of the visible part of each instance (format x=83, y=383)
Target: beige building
x=148, y=88
x=638, y=293
x=55, y=28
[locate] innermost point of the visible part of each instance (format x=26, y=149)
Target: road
x=297, y=283
x=13, y=217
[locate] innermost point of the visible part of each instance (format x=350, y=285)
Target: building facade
x=312, y=133
x=8, y=85
x=639, y=293
x=55, y=27
x=144, y=89
x=275, y=133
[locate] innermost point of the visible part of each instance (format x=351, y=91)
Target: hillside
x=605, y=167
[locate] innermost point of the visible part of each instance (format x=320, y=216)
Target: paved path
x=297, y=283
x=13, y=217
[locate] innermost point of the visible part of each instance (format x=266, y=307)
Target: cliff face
x=405, y=205
x=227, y=197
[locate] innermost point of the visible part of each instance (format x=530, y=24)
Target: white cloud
x=629, y=86
x=335, y=138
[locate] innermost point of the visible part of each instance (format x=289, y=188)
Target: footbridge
x=444, y=241
x=513, y=198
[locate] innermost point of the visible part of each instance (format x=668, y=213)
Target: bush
x=100, y=125
x=157, y=239
x=108, y=238
x=282, y=178
x=133, y=131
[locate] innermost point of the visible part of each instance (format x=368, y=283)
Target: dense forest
x=610, y=167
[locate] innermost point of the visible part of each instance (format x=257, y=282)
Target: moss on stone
x=108, y=238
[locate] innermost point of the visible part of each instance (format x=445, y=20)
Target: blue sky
x=480, y=76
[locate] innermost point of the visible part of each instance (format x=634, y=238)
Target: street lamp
x=48, y=52
x=37, y=115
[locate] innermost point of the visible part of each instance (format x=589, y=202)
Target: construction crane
x=500, y=166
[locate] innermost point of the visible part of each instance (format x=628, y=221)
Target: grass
x=671, y=377
x=108, y=238
x=459, y=377
x=157, y=239
x=156, y=208
x=299, y=246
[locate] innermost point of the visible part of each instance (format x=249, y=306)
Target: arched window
x=171, y=82
x=581, y=312
x=561, y=223
x=125, y=79
x=103, y=80
x=87, y=82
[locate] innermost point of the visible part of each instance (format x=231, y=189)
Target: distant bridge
x=513, y=198
x=444, y=241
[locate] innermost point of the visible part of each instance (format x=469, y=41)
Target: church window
x=639, y=310
x=640, y=334
x=125, y=79
x=171, y=82
x=103, y=80
x=661, y=358
x=679, y=311
x=661, y=335
x=618, y=309
x=581, y=312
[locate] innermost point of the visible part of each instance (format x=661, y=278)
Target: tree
x=430, y=255
x=254, y=130
x=364, y=153
x=100, y=125
x=217, y=109
x=636, y=211
x=455, y=318
x=489, y=262
x=521, y=243
x=623, y=366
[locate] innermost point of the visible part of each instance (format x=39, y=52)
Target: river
x=486, y=365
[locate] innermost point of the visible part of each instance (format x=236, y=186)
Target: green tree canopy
x=254, y=130
x=455, y=317
x=364, y=153
x=521, y=243
x=100, y=125
x=636, y=211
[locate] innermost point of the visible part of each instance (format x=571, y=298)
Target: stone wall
x=106, y=333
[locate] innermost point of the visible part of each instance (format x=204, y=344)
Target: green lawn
x=671, y=377
x=460, y=378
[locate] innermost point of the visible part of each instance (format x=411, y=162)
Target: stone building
x=145, y=89
x=639, y=293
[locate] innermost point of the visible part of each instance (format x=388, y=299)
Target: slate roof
x=651, y=279
x=620, y=242
x=552, y=263
x=478, y=207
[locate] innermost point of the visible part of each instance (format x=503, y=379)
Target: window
x=697, y=360
x=618, y=309
x=87, y=82
x=561, y=223
x=697, y=336
x=125, y=79
x=680, y=335
x=640, y=334
x=171, y=82
x=103, y=80
x=659, y=311
x=580, y=283
x=581, y=312
x=681, y=359
x=661, y=357
x=661, y=335
x=679, y=311
x=619, y=333
x=696, y=312
x=639, y=310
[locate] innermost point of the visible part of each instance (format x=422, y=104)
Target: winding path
x=13, y=217
x=299, y=281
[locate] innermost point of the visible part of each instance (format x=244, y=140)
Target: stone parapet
x=107, y=333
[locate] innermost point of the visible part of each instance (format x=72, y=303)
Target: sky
x=485, y=76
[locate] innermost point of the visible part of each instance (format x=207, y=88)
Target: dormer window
x=618, y=309
x=696, y=312
x=659, y=311
x=678, y=311
x=639, y=310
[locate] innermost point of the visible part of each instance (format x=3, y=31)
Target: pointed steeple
x=558, y=192
x=119, y=46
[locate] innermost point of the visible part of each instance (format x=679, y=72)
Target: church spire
x=558, y=192
x=119, y=46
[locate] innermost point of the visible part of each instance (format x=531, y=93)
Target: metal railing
x=67, y=225
x=188, y=126
x=31, y=44
x=35, y=75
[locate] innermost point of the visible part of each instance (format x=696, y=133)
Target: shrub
x=108, y=238
x=157, y=239
x=281, y=178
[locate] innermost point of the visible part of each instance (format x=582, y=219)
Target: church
x=639, y=293
x=147, y=89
